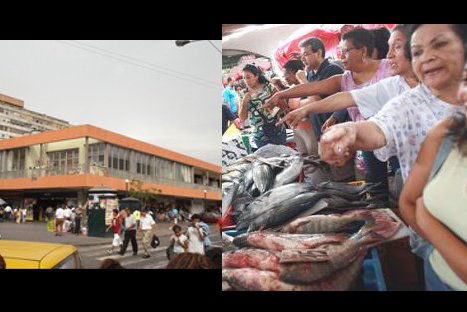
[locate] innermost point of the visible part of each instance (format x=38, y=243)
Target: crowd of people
x=400, y=103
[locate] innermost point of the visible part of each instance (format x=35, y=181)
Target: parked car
x=36, y=255
x=210, y=217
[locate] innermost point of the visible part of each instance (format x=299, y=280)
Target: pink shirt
x=348, y=84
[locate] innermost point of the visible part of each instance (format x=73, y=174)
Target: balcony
x=44, y=171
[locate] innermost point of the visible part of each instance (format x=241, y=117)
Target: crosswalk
x=92, y=256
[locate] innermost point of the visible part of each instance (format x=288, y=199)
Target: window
x=143, y=163
x=119, y=158
x=96, y=154
x=19, y=159
x=64, y=161
x=183, y=173
x=164, y=168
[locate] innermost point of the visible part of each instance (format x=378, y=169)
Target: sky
x=166, y=95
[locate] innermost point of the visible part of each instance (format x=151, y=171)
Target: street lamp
x=204, y=203
x=126, y=185
x=181, y=43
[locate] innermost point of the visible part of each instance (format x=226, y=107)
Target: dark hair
x=405, y=29
x=381, y=37
x=459, y=29
x=315, y=44
x=175, y=227
x=215, y=254
x=229, y=79
x=195, y=216
x=115, y=210
x=2, y=263
x=110, y=263
x=459, y=130
x=361, y=38
x=256, y=72
x=294, y=65
x=188, y=260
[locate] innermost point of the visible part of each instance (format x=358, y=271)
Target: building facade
x=16, y=121
x=55, y=167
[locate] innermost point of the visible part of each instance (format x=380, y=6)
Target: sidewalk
x=37, y=232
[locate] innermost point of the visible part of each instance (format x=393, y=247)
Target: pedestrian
x=59, y=219
x=207, y=232
x=116, y=225
x=78, y=216
x=148, y=229
x=179, y=241
x=110, y=263
x=195, y=235
x=67, y=222
x=130, y=233
x=50, y=215
x=23, y=212
x=8, y=213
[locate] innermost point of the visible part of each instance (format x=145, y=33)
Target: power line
x=123, y=59
x=215, y=47
x=144, y=62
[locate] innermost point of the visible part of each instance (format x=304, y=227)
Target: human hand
x=330, y=122
x=294, y=118
x=272, y=101
x=335, y=146
x=238, y=123
x=301, y=76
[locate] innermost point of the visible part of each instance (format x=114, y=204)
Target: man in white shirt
x=195, y=235
x=147, y=226
x=8, y=211
x=59, y=218
x=130, y=233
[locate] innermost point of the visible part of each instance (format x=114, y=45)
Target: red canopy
x=330, y=36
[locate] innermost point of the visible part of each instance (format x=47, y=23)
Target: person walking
x=179, y=241
x=148, y=228
x=196, y=235
x=59, y=219
x=130, y=233
x=78, y=216
x=116, y=225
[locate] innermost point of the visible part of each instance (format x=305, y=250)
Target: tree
x=145, y=194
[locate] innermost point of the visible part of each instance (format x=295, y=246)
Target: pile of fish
x=261, y=191
x=322, y=256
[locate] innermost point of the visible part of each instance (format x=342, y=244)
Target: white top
x=67, y=213
x=405, y=122
x=177, y=247
x=146, y=222
x=195, y=245
x=450, y=183
x=372, y=98
x=130, y=221
x=59, y=213
x=7, y=209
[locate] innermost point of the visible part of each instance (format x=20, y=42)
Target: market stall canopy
x=237, y=72
x=330, y=34
x=253, y=38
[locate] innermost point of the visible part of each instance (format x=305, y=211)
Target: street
x=93, y=249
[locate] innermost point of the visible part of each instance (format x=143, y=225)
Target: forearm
x=324, y=87
x=453, y=250
x=243, y=110
x=369, y=136
x=333, y=103
x=407, y=207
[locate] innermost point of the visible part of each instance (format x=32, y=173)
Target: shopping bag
x=155, y=241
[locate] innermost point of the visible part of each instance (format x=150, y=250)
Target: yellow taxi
x=36, y=255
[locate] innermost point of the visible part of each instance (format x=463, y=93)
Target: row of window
x=118, y=159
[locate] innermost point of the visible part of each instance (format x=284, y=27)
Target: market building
x=54, y=167
x=16, y=121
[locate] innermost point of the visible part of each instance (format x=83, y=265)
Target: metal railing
x=37, y=172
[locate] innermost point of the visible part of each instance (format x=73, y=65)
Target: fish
x=279, y=241
x=290, y=173
x=326, y=223
x=260, y=280
x=251, y=258
x=262, y=176
x=314, y=172
x=232, y=175
x=281, y=212
x=228, y=195
x=269, y=200
x=339, y=254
